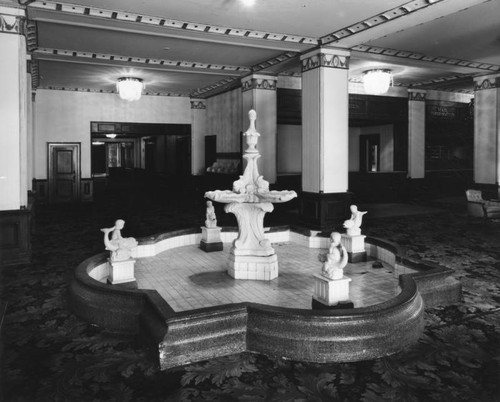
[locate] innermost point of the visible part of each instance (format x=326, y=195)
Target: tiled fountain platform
x=189, y=278
x=192, y=310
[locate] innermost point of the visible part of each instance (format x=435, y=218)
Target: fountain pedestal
x=355, y=246
x=252, y=256
x=210, y=239
x=121, y=271
x=331, y=292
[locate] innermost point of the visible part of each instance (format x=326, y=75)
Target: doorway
x=369, y=153
x=64, y=172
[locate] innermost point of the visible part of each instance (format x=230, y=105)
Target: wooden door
x=64, y=172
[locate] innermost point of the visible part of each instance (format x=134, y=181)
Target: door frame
x=50, y=167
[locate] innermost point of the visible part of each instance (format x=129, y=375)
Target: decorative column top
x=257, y=81
x=325, y=57
x=198, y=104
x=490, y=82
x=416, y=95
x=14, y=24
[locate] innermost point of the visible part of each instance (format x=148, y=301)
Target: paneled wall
x=63, y=116
x=224, y=119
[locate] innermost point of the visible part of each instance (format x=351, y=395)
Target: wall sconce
x=111, y=135
x=377, y=81
x=129, y=88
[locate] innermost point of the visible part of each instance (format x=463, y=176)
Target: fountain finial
x=252, y=134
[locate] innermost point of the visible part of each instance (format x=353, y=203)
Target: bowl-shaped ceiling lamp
x=377, y=81
x=129, y=88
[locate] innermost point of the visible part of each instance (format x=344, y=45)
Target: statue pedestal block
x=260, y=268
x=331, y=292
x=121, y=271
x=355, y=246
x=210, y=239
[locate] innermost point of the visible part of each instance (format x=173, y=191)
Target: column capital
x=487, y=82
x=198, y=104
x=259, y=81
x=416, y=95
x=325, y=57
x=12, y=20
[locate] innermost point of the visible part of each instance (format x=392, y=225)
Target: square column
x=487, y=131
x=325, y=137
x=198, y=130
x=15, y=106
x=13, y=109
x=259, y=93
x=416, y=134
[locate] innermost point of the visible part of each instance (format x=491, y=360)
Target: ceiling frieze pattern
x=169, y=23
x=139, y=60
x=231, y=83
x=104, y=91
x=13, y=24
x=325, y=60
x=422, y=57
x=487, y=83
x=379, y=19
x=443, y=80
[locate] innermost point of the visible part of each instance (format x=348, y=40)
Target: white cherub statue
x=120, y=247
x=211, y=219
x=353, y=225
x=336, y=259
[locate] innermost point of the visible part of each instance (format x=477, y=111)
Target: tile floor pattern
x=189, y=278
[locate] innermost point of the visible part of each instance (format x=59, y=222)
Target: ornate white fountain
x=252, y=256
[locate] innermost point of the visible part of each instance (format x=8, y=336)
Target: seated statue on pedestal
x=353, y=225
x=210, y=218
x=120, y=247
x=336, y=259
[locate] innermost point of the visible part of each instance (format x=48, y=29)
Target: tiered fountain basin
x=340, y=335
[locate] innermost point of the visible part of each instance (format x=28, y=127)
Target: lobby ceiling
x=198, y=48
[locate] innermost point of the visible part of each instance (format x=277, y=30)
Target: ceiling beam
x=150, y=64
x=408, y=15
x=180, y=30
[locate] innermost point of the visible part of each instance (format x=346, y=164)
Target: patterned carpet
x=50, y=355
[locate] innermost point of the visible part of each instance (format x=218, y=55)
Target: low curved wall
x=307, y=335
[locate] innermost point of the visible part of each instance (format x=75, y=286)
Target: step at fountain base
x=259, y=268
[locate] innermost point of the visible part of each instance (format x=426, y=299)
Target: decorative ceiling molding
x=31, y=35
x=169, y=23
x=35, y=76
x=104, y=91
x=376, y=20
x=274, y=61
x=422, y=57
x=139, y=60
x=217, y=88
x=444, y=80
x=228, y=84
